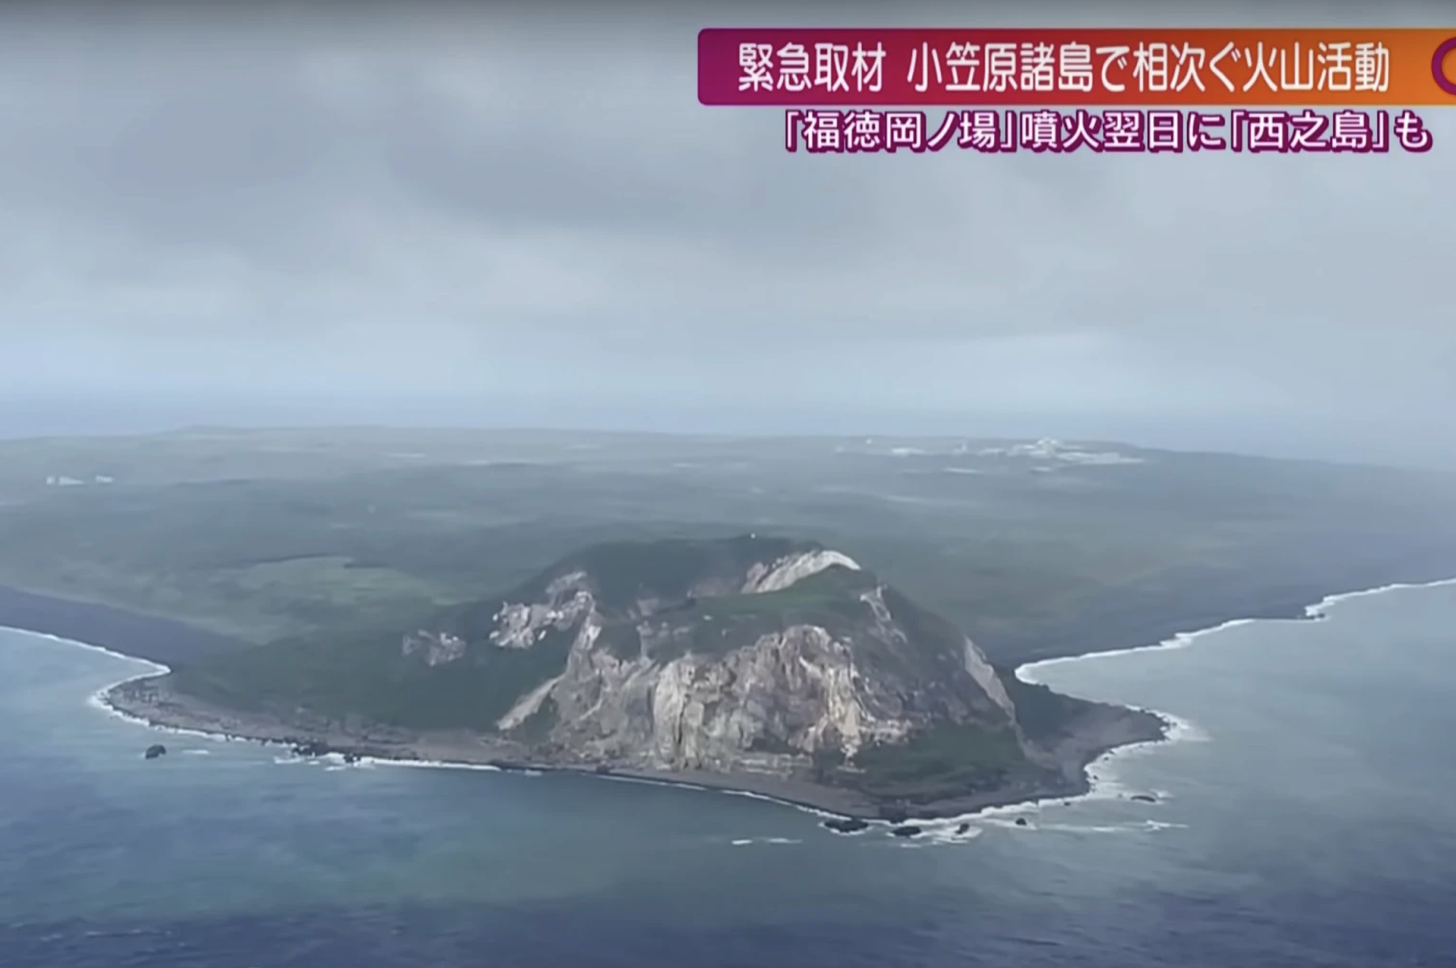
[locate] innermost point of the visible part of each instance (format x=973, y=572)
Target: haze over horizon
x=475, y=216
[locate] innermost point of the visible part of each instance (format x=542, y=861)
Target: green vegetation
x=291, y=535
x=364, y=674
x=624, y=569
x=945, y=762
x=324, y=548
x=834, y=587
x=372, y=674
x=1044, y=715
x=828, y=599
x=539, y=724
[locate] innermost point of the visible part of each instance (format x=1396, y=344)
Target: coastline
x=1192, y=601
x=137, y=700
x=147, y=700
x=137, y=635
x=1181, y=640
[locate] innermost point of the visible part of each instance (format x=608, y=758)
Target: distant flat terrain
x=1034, y=548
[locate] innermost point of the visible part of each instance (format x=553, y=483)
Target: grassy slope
x=345, y=536
x=947, y=762
x=362, y=671
x=364, y=674
x=330, y=545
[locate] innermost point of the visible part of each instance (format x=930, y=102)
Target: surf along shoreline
x=146, y=700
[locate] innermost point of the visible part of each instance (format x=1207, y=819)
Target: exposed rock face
x=847, y=826
x=795, y=690
x=791, y=568
x=436, y=648
x=745, y=655
x=521, y=625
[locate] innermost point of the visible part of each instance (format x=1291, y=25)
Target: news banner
x=1097, y=90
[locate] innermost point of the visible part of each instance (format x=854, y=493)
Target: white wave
x=1101, y=772
x=1144, y=826
x=1141, y=826
x=945, y=832
x=1005, y=821
x=1182, y=640
x=801, y=807
x=1103, y=785
x=197, y=752
x=745, y=841
x=333, y=762
x=304, y=760
x=745, y=794
x=430, y=764
x=1319, y=609
x=1184, y=730
x=97, y=701
x=1103, y=781
x=157, y=668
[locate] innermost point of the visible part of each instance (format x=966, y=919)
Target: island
x=758, y=663
x=344, y=590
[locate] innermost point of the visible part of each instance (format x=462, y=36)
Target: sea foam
x=1103, y=782
x=1101, y=771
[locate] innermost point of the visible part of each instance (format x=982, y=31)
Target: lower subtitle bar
x=1043, y=130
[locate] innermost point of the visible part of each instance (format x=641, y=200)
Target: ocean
x=1305, y=816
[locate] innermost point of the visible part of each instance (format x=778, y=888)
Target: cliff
x=747, y=656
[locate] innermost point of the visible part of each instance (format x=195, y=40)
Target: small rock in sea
x=603, y=768
x=846, y=825
x=155, y=750
x=351, y=757
x=1021, y=821
x=962, y=828
x=1144, y=798
x=909, y=830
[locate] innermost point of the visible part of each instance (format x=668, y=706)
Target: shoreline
x=146, y=700
x=1316, y=612
x=825, y=802
x=134, y=634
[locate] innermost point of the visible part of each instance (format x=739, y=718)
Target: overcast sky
x=465, y=206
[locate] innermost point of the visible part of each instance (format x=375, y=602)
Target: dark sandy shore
x=1141, y=622
x=151, y=699
x=170, y=642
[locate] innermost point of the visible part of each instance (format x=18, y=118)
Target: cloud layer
x=474, y=201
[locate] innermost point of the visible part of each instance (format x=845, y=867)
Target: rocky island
x=757, y=663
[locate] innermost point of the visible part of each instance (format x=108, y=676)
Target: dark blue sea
x=1306, y=816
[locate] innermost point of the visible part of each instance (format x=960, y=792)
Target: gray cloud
x=474, y=201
